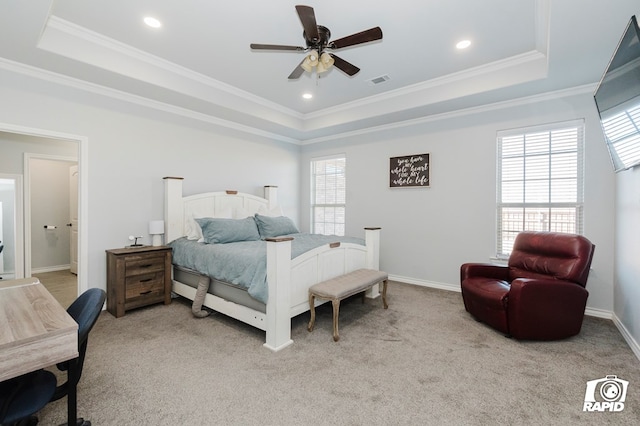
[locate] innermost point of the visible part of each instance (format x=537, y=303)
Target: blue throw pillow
x=270, y=227
x=216, y=230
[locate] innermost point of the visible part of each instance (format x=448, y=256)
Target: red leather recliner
x=540, y=295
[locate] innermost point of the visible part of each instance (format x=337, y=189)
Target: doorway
x=81, y=143
x=49, y=223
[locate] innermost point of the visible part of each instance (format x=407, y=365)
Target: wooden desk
x=35, y=331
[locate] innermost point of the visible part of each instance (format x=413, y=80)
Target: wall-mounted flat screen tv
x=618, y=100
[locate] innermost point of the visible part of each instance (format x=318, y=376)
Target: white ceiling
x=199, y=63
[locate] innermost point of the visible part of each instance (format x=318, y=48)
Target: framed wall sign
x=409, y=171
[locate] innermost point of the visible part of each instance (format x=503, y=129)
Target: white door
x=73, y=223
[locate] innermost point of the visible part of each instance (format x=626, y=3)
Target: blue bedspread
x=243, y=263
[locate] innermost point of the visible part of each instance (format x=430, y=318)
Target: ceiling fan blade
x=308, y=19
x=274, y=47
x=358, y=38
x=344, y=66
x=297, y=72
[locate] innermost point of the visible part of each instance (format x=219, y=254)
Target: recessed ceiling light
x=463, y=44
x=152, y=22
x=307, y=95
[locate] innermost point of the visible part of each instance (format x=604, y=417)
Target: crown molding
x=79, y=43
x=49, y=76
x=38, y=73
x=479, y=71
x=578, y=90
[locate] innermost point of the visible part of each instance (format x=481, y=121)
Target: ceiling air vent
x=379, y=80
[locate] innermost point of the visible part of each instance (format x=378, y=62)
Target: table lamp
x=156, y=230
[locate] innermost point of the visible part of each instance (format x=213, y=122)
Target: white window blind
x=328, y=195
x=540, y=181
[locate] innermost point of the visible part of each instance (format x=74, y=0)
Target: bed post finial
x=271, y=194
x=173, y=210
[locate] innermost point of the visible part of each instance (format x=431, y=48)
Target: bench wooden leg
x=384, y=294
x=336, y=313
x=336, y=310
x=312, y=309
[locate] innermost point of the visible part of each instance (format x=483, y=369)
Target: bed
x=287, y=279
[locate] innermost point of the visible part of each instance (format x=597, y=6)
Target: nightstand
x=137, y=276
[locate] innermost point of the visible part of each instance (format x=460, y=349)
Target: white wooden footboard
x=288, y=280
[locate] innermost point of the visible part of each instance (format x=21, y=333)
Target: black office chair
x=85, y=311
x=23, y=396
x=1, y=248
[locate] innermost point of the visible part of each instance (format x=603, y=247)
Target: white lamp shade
x=156, y=227
x=326, y=60
x=310, y=61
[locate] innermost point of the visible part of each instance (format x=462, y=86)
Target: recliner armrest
x=486, y=270
x=528, y=288
x=545, y=309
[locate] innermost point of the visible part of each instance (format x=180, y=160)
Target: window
x=540, y=178
x=328, y=194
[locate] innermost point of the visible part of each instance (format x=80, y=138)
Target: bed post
x=372, y=241
x=278, y=327
x=173, y=210
x=271, y=194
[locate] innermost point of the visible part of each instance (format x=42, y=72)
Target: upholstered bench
x=343, y=286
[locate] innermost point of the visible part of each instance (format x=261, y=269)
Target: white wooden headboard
x=178, y=209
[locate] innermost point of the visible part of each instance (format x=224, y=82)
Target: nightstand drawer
x=138, y=265
x=142, y=285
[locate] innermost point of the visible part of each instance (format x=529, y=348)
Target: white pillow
x=193, y=229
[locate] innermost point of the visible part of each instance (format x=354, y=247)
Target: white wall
x=427, y=233
x=627, y=261
x=131, y=148
x=14, y=146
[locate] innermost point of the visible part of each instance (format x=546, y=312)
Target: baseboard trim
x=592, y=312
x=49, y=269
x=425, y=283
x=633, y=344
x=599, y=313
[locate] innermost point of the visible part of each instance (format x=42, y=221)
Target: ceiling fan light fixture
x=310, y=61
x=313, y=57
x=306, y=65
x=318, y=38
x=321, y=68
x=326, y=60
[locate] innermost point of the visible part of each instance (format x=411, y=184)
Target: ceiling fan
x=317, y=38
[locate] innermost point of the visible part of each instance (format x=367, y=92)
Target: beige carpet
x=424, y=361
